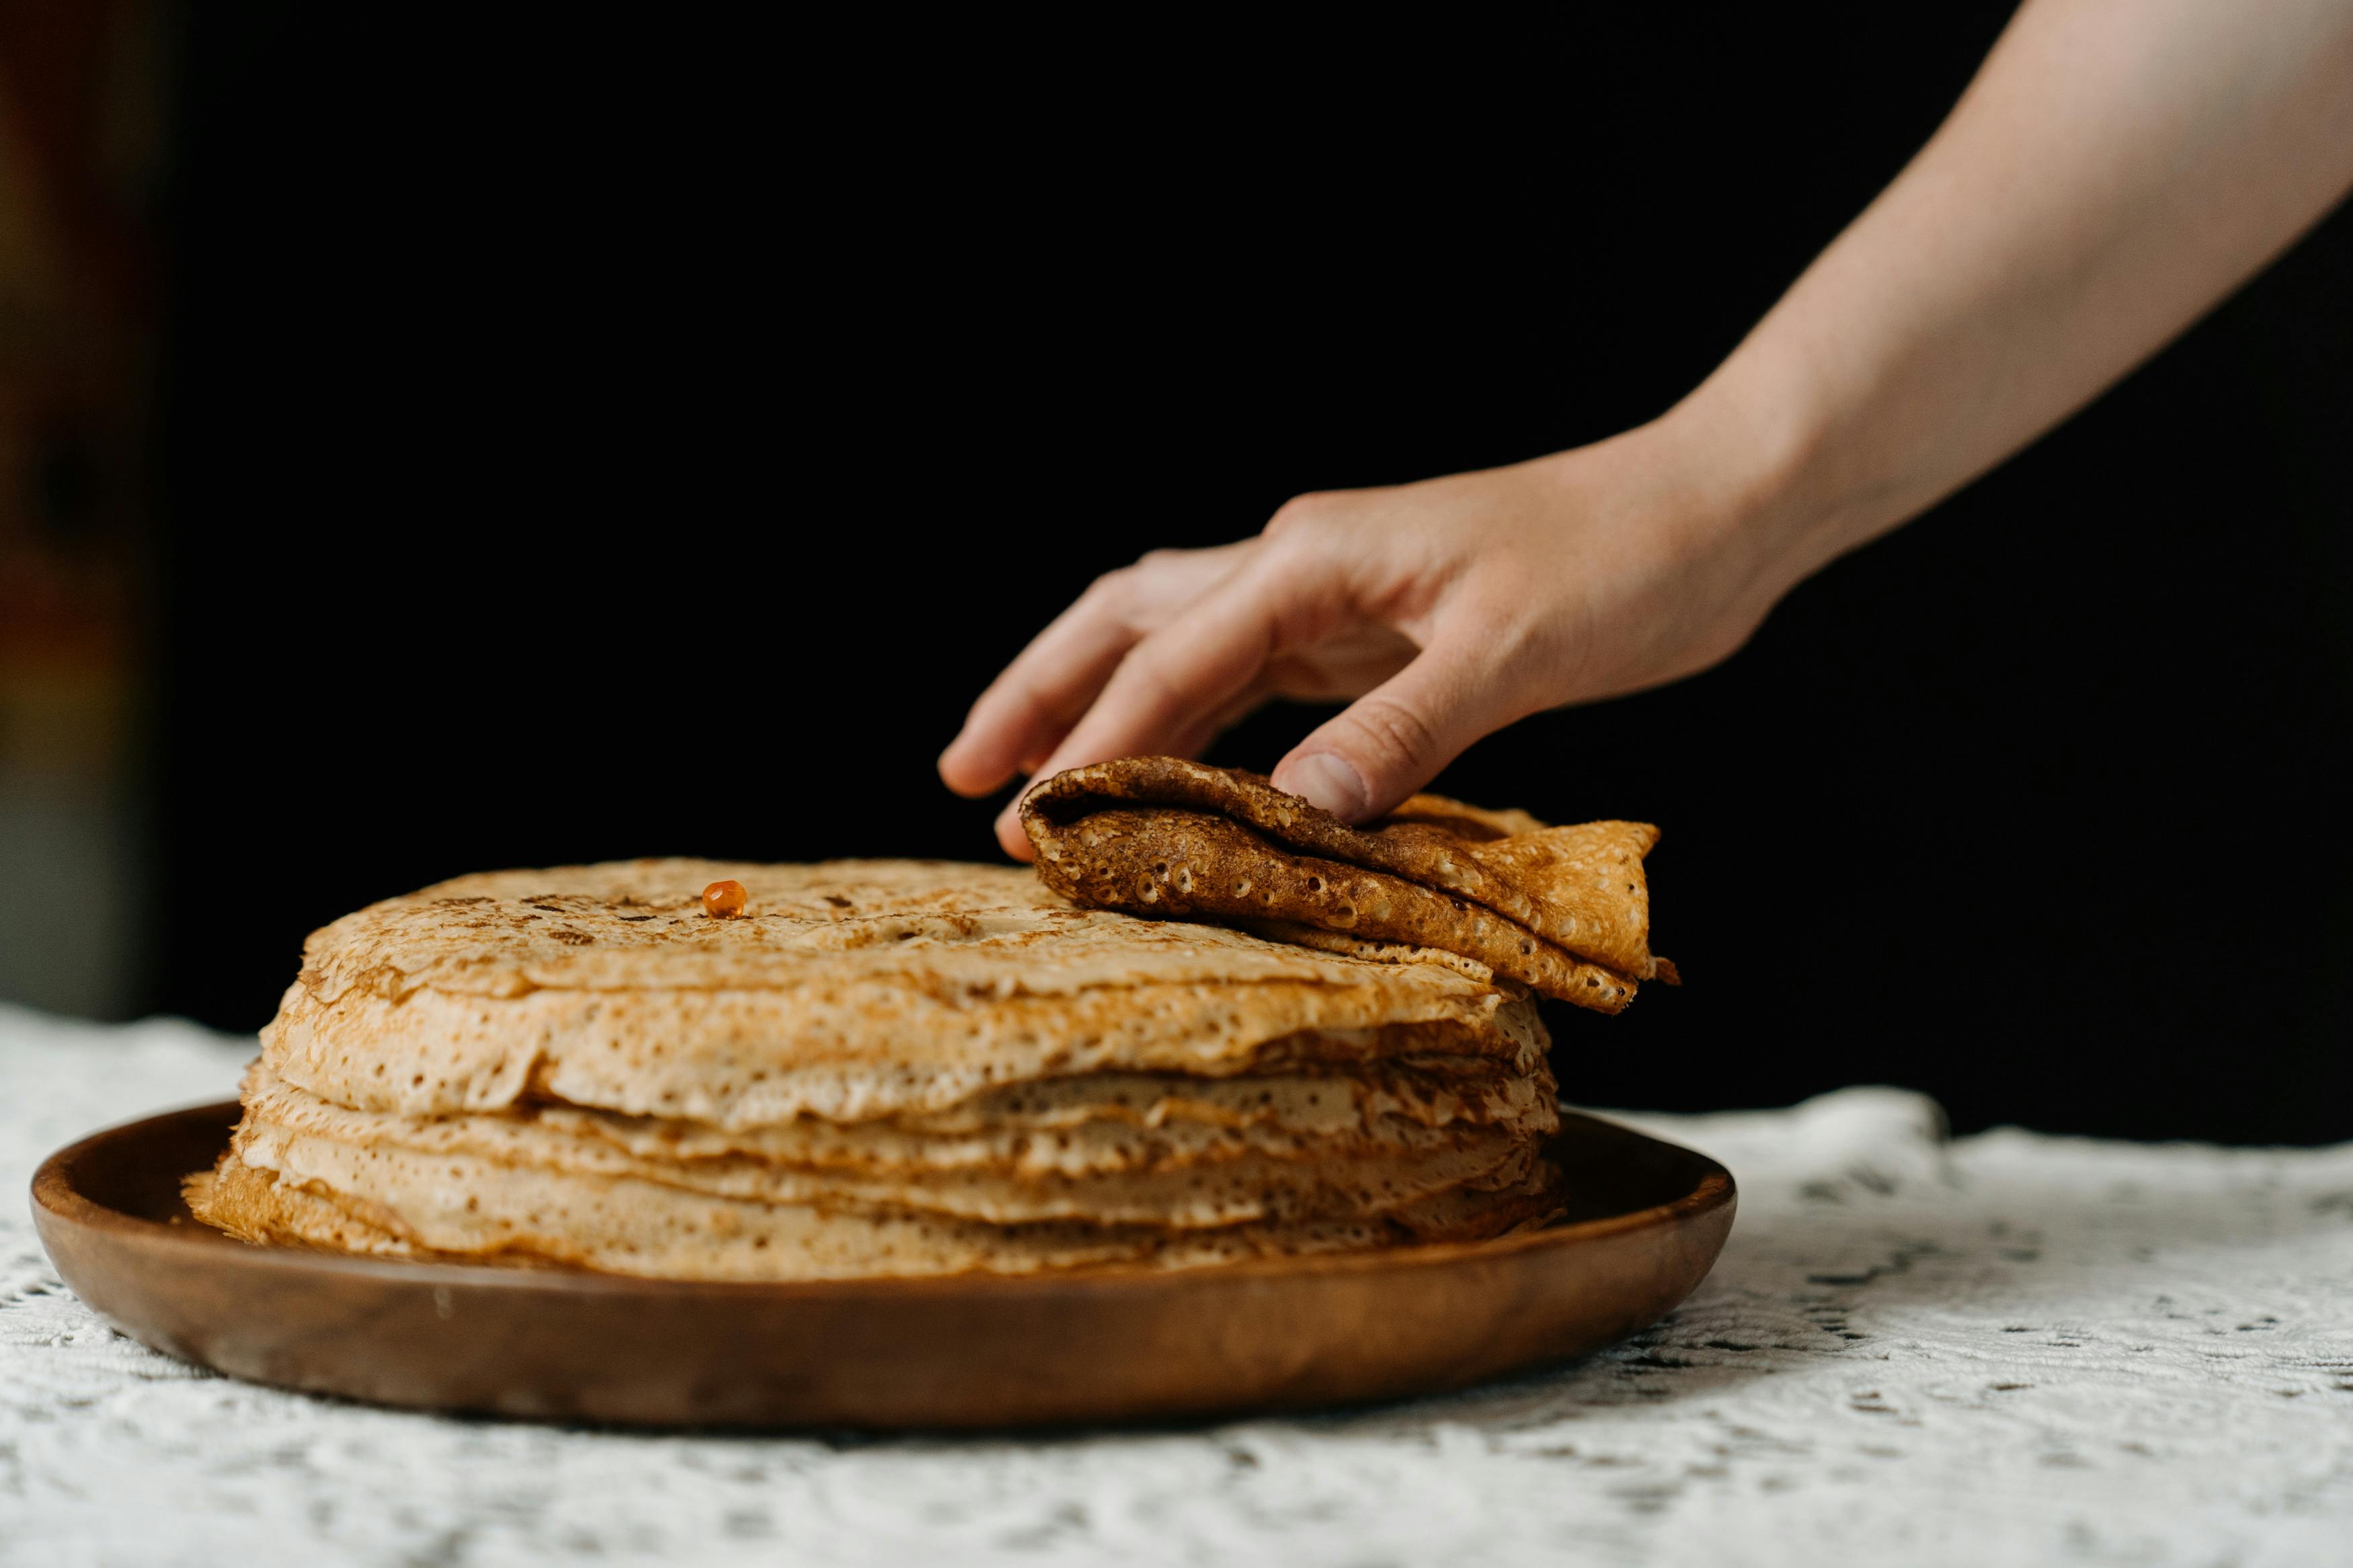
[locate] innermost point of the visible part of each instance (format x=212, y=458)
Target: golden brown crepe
x=847, y=990
x=1112, y=1173
x=462, y=1210
x=1564, y=910
x=877, y=1066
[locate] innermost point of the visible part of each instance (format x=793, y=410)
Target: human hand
x=2117, y=167
x=1445, y=608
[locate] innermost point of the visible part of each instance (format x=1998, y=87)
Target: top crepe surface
x=849, y=989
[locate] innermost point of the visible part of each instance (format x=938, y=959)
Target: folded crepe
x=1563, y=910
x=878, y=1068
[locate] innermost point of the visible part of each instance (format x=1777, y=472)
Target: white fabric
x=2008, y=1350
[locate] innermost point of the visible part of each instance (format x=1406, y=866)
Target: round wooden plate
x=966, y=1351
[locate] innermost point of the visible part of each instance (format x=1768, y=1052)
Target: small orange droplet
x=725, y=900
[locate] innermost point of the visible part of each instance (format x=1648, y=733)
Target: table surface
x=2001, y=1349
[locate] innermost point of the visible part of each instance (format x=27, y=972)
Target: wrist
x=1747, y=469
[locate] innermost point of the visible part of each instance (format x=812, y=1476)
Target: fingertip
x=1328, y=780
x=1394, y=739
x=1011, y=837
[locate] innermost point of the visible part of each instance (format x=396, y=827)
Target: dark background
x=595, y=443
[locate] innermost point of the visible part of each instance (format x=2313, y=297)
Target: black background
x=599, y=442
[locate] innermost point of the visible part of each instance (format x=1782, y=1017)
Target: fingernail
x=1329, y=781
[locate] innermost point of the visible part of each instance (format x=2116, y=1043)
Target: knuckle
x=1398, y=738
x=1030, y=709
x=1127, y=592
x=1150, y=675
x=1300, y=513
x=1111, y=590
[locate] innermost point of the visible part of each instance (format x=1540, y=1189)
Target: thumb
x=1395, y=739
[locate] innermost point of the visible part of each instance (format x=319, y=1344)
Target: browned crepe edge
x=1173, y=863
x=1428, y=840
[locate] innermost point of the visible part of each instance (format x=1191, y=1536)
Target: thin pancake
x=1565, y=910
x=1171, y=1126
x=1178, y=1175
x=361, y=1158
x=851, y=990
x=451, y=1208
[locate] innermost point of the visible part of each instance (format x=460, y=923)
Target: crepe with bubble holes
x=1122, y=1175
x=847, y=990
x=463, y=1207
x=1562, y=911
x=1056, y=1128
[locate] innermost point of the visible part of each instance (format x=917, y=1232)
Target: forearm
x=2116, y=168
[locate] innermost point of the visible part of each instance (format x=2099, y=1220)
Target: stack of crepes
x=876, y=1068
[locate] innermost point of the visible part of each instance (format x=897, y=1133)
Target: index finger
x=1168, y=693
x=1030, y=707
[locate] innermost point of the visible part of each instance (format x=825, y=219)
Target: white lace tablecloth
x=2009, y=1349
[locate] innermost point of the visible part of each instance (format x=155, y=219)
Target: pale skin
x=2116, y=169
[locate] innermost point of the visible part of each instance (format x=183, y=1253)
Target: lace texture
x=2004, y=1349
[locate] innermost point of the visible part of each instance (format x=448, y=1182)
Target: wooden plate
x=972, y=1350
